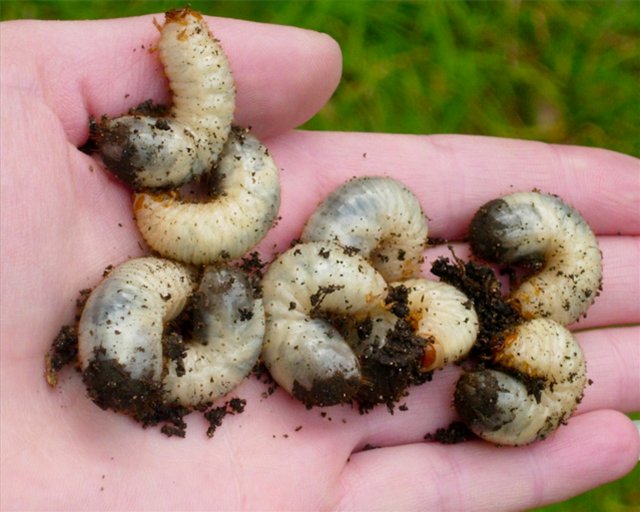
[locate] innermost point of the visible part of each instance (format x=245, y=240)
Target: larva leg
x=227, y=225
x=228, y=328
x=539, y=381
x=378, y=216
x=302, y=289
x=167, y=151
x=531, y=228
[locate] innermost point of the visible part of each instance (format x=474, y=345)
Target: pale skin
x=64, y=220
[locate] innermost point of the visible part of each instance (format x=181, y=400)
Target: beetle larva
x=443, y=315
x=378, y=216
x=227, y=334
x=532, y=228
x=538, y=381
x=130, y=364
x=167, y=151
x=231, y=222
x=304, y=352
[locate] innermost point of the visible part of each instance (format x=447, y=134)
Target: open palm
x=64, y=220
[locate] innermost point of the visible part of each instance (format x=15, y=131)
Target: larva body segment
x=168, y=151
x=378, y=216
x=529, y=228
x=442, y=315
x=304, y=287
x=226, y=340
x=231, y=222
x=132, y=364
x=538, y=381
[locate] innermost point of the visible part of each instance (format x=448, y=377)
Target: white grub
x=229, y=223
x=125, y=315
x=167, y=151
x=539, y=379
x=122, y=328
x=226, y=342
x=443, y=316
x=378, y=216
x=533, y=228
x=303, y=287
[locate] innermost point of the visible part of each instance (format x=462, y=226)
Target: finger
x=613, y=359
x=454, y=175
x=593, y=449
x=283, y=74
x=617, y=303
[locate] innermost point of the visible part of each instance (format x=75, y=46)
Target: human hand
x=64, y=220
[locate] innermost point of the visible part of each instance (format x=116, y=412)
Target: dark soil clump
x=387, y=372
x=216, y=415
x=456, y=432
x=478, y=282
x=335, y=390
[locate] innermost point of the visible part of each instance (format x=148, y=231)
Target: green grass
x=550, y=71
x=564, y=72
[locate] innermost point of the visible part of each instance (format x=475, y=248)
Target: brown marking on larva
x=429, y=356
x=182, y=36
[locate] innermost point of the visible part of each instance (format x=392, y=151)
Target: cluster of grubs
x=344, y=315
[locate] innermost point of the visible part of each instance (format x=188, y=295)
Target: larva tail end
x=476, y=401
x=485, y=231
x=330, y=391
x=111, y=387
x=114, y=141
x=387, y=372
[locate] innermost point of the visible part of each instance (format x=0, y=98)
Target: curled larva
x=230, y=222
x=444, y=317
x=303, y=288
x=378, y=216
x=226, y=339
x=132, y=363
x=537, y=229
x=170, y=150
x=538, y=380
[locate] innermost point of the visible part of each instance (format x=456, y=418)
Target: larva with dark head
x=534, y=228
x=130, y=364
x=536, y=385
x=168, y=151
x=230, y=221
x=303, y=288
x=379, y=217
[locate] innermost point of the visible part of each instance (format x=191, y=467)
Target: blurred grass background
x=562, y=72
